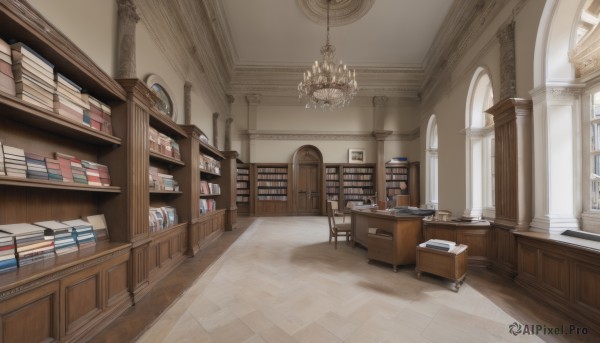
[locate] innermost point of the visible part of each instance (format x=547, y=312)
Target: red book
x=64, y=161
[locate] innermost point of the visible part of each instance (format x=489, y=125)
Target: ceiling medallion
x=343, y=12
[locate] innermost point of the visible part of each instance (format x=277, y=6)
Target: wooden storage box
x=448, y=264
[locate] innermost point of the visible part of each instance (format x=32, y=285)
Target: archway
x=307, y=181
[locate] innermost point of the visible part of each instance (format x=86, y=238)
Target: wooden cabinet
x=562, y=271
x=477, y=236
x=447, y=264
x=414, y=186
x=397, y=250
x=332, y=182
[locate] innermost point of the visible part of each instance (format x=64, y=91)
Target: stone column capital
x=253, y=99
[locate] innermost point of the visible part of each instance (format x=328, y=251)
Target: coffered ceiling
x=398, y=47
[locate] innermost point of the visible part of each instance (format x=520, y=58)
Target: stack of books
x=31, y=244
x=2, y=171
x=175, y=149
x=157, y=219
x=160, y=181
x=83, y=233
x=68, y=101
x=54, y=172
x=79, y=175
x=207, y=205
x=99, y=225
x=34, y=77
x=8, y=259
x=153, y=178
x=153, y=138
x=99, y=114
x=164, y=145
x=97, y=174
x=60, y=234
x=166, y=182
x=36, y=167
x=7, y=80
x=439, y=244
x=64, y=161
x=14, y=162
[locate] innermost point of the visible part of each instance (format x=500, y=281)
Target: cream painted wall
x=450, y=106
x=96, y=36
x=90, y=24
x=298, y=118
x=269, y=151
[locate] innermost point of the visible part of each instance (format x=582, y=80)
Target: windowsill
x=590, y=221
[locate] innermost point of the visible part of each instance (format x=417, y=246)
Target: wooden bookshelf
x=243, y=189
x=332, y=182
x=358, y=182
x=272, y=189
x=397, y=182
x=73, y=296
x=207, y=226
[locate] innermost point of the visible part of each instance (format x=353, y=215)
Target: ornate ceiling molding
x=343, y=12
x=272, y=135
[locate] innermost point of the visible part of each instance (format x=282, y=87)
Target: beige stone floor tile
x=276, y=335
x=257, y=321
x=316, y=333
x=281, y=282
x=232, y=332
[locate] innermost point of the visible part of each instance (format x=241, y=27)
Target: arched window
x=431, y=199
x=586, y=49
x=480, y=147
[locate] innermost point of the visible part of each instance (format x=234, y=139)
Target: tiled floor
x=281, y=282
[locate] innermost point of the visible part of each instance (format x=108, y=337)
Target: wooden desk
x=478, y=236
x=405, y=230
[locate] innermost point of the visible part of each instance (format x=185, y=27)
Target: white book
x=76, y=223
x=53, y=225
x=21, y=228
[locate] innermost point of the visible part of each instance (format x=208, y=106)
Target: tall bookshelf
x=206, y=224
x=396, y=182
x=332, y=182
x=358, y=182
x=243, y=189
x=73, y=296
x=272, y=189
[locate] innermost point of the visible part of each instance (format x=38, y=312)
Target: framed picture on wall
x=165, y=104
x=356, y=156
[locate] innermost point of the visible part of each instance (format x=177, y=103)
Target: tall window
x=587, y=37
x=480, y=147
x=432, y=164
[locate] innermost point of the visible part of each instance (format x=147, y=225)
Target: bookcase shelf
x=18, y=182
x=332, y=182
x=271, y=186
x=206, y=172
x=152, y=191
x=165, y=232
x=20, y=111
x=157, y=156
x=396, y=179
x=46, y=289
x=358, y=182
x=244, y=189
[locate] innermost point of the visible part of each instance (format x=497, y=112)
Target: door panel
x=308, y=197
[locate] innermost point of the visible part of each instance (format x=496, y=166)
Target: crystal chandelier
x=328, y=84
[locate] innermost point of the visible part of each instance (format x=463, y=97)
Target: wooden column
x=513, y=168
x=380, y=137
x=187, y=103
x=127, y=19
x=228, y=189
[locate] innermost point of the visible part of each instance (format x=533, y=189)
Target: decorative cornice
x=329, y=135
x=556, y=92
x=343, y=12
x=253, y=99
x=381, y=135
x=380, y=101
x=586, y=54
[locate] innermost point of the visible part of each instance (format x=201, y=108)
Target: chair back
x=330, y=216
x=334, y=205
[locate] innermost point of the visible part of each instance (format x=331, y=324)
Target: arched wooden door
x=307, y=184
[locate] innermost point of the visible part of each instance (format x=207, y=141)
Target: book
x=98, y=223
x=7, y=85
x=64, y=161
x=27, y=52
x=6, y=69
x=83, y=232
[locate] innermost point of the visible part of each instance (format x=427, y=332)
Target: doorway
x=307, y=180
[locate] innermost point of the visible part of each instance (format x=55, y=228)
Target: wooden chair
x=336, y=230
x=336, y=210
